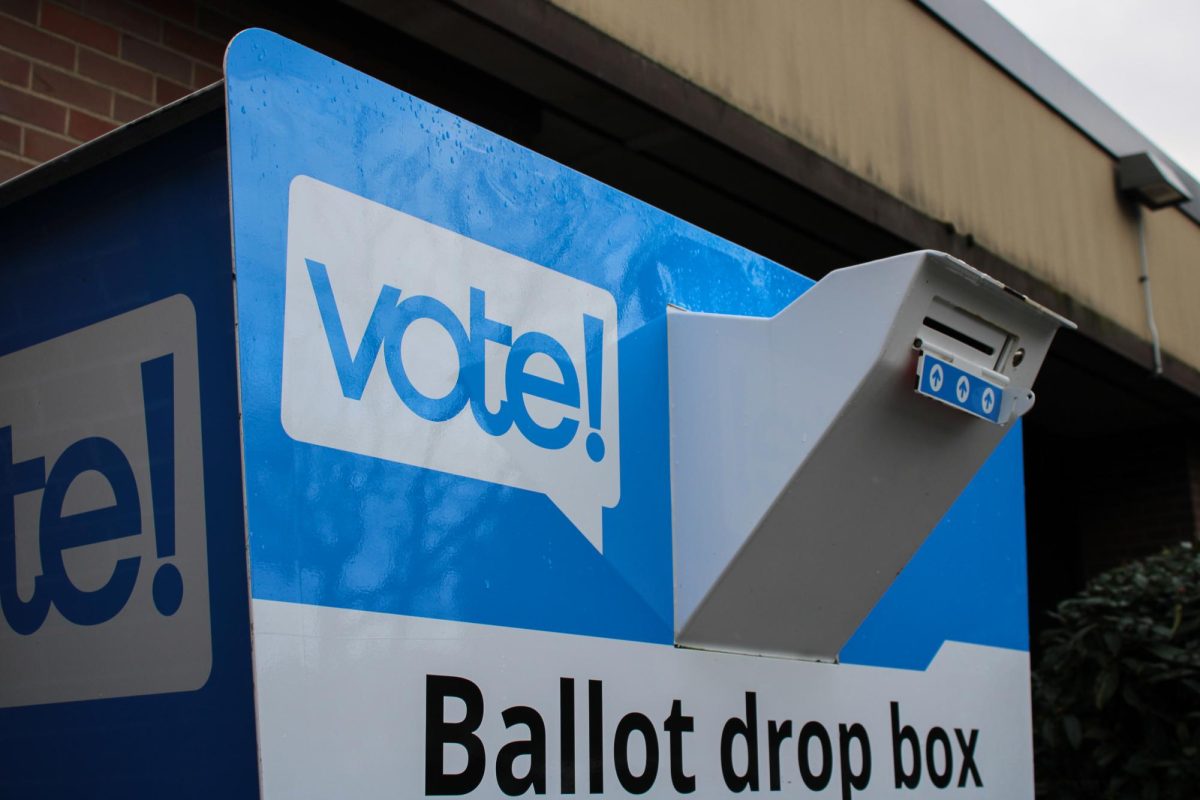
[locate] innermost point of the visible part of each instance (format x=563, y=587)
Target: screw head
x=1018, y=357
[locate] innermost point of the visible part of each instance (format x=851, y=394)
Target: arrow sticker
x=958, y=388
x=935, y=377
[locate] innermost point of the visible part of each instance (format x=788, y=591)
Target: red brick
x=203, y=76
x=126, y=109
x=10, y=137
x=218, y=25
x=125, y=17
x=166, y=91
x=14, y=69
x=179, y=10
x=35, y=110
x=36, y=44
x=85, y=127
x=72, y=90
x=44, y=146
x=21, y=9
x=117, y=74
x=11, y=167
x=87, y=32
x=197, y=45
x=156, y=59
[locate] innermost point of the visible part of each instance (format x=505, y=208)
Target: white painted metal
x=805, y=469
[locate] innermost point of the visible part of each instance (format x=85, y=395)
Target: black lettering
x=534, y=747
x=595, y=737
x=748, y=730
x=676, y=725
x=968, y=755
x=566, y=732
x=940, y=779
x=815, y=780
x=635, y=784
x=439, y=733
x=776, y=734
x=856, y=780
x=900, y=736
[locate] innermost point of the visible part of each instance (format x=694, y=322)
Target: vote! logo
x=103, y=562
x=409, y=342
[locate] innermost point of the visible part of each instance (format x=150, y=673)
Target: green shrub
x=1117, y=691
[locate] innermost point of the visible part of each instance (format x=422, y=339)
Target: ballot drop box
x=349, y=450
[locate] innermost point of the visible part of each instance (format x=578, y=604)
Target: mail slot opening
x=965, y=338
x=960, y=333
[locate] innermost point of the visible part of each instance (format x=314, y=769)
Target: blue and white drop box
x=492, y=481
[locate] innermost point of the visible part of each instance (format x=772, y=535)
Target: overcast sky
x=1141, y=57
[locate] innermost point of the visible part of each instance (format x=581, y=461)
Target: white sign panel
x=408, y=707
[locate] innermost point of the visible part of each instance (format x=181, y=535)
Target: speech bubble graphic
x=103, y=541
x=409, y=342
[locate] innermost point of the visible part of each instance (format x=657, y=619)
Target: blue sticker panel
x=943, y=381
x=355, y=526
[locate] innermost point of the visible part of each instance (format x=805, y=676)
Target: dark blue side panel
x=146, y=226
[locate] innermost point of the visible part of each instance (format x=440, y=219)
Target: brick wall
x=71, y=70
x=1138, y=496
x=1098, y=501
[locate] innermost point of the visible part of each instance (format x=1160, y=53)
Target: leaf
x=1168, y=653
x=1106, y=686
x=1073, y=642
x=1073, y=730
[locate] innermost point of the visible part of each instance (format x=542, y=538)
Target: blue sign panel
x=959, y=389
x=454, y=372
x=475, y=423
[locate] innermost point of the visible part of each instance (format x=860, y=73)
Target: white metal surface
x=805, y=469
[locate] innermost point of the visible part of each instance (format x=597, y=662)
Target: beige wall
x=883, y=89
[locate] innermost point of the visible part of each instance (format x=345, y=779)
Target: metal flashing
x=1000, y=41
